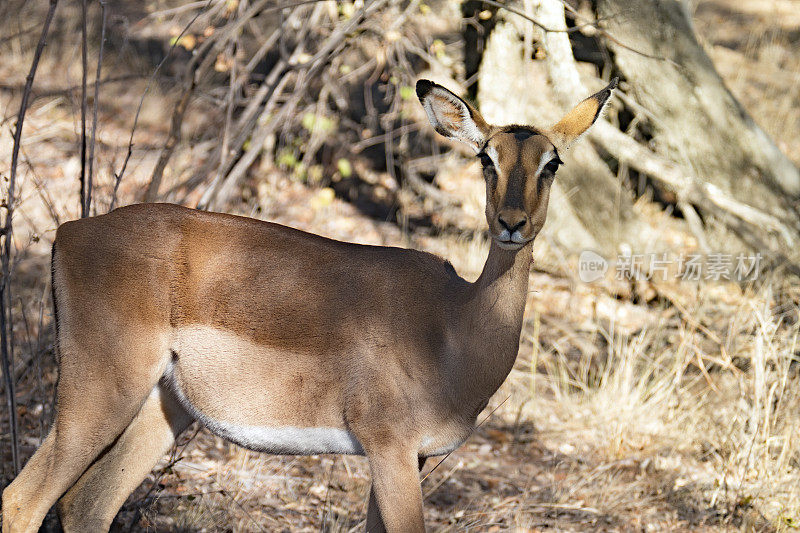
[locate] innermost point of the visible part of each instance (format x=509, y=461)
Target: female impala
x=283, y=341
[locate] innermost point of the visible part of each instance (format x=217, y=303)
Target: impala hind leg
x=93, y=502
x=92, y=410
x=395, y=504
x=68, y=450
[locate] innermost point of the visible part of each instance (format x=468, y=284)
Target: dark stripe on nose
x=515, y=188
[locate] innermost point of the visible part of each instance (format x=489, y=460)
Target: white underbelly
x=286, y=440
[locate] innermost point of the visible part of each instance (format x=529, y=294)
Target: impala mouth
x=511, y=241
x=508, y=245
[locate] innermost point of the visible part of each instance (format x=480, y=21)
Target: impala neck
x=505, y=275
x=495, y=309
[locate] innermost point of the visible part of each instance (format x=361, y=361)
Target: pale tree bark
x=699, y=123
x=689, y=190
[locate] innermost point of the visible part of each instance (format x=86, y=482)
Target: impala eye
x=489, y=172
x=553, y=165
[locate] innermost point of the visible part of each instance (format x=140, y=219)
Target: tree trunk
x=697, y=121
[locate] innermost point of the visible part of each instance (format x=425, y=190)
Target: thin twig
x=44, y=193
x=259, y=136
x=385, y=137
x=241, y=508
x=176, y=10
x=487, y=417
x=175, y=456
x=84, y=69
x=94, y=104
x=66, y=91
x=119, y=175
x=20, y=33
x=5, y=286
x=172, y=140
x=195, y=70
x=548, y=29
x=223, y=183
x=226, y=132
x=221, y=190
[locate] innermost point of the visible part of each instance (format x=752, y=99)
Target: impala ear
x=576, y=122
x=451, y=116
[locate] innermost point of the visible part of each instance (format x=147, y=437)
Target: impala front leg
x=374, y=520
x=395, y=500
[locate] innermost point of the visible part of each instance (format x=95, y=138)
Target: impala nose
x=513, y=224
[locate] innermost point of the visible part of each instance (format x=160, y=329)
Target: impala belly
x=259, y=398
x=432, y=447
x=448, y=437
x=274, y=401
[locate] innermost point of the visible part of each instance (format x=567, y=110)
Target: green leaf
x=311, y=121
x=286, y=158
x=308, y=121
x=344, y=167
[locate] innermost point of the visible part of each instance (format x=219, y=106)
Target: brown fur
x=262, y=325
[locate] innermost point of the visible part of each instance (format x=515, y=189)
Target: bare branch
x=121, y=173
x=5, y=286
x=592, y=24
x=172, y=141
x=95, y=103
x=84, y=68
x=221, y=189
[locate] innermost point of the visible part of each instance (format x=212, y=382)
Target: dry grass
x=661, y=407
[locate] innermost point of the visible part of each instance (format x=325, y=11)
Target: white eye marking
x=546, y=158
x=491, y=151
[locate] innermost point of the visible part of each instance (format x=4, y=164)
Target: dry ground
x=656, y=407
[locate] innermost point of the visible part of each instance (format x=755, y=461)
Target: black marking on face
x=522, y=135
x=520, y=132
x=515, y=184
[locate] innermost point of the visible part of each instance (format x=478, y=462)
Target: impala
x=282, y=341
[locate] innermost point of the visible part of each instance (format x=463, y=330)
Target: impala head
x=519, y=162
